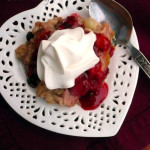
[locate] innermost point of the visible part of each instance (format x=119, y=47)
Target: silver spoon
x=121, y=22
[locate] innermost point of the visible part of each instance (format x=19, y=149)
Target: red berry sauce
x=90, y=87
x=93, y=99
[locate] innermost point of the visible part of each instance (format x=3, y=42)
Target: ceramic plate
x=102, y=122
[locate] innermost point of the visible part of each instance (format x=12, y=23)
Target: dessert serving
x=67, y=60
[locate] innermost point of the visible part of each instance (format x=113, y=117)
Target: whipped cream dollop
x=64, y=56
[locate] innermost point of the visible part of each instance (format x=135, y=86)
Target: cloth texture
x=18, y=134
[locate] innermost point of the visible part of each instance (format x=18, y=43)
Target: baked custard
x=67, y=60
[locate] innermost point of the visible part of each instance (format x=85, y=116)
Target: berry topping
x=93, y=99
x=102, y=42
x=70, y=22
x=82, y=85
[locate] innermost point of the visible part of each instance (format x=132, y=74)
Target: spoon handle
x=141, y=60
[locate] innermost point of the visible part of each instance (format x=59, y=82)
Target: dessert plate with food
x=61, y=71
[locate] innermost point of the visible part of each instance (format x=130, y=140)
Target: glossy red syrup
x=90, y=88
x=93, y=99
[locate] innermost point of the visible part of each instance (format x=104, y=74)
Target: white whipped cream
x=64, y=56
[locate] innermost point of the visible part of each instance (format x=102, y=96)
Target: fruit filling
x=90, y=88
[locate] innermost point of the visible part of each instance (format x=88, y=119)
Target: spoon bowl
x=116, y=15
x=121, y=22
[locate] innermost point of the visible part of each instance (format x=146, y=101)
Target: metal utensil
x=121, y=22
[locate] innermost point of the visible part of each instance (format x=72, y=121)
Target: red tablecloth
x=17, y=133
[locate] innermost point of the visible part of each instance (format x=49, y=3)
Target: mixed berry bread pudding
x=67, y=60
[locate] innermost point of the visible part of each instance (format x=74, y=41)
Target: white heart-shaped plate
x=102, y=122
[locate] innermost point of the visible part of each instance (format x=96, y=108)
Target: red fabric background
x=17, y=133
